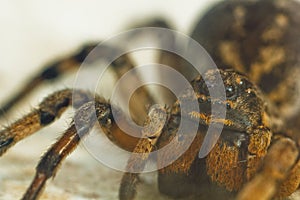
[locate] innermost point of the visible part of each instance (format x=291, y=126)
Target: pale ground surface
x=35, y=32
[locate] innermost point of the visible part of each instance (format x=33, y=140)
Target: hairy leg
x=49, y=109
x=51, y=71
x=52, y=159
x=67, y=64
x=139, y=101
x=278, y=164
x=150, y=134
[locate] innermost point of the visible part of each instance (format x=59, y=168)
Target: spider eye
x=230, y=92
x=228, y=106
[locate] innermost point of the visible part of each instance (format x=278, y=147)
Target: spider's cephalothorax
x=257, y=153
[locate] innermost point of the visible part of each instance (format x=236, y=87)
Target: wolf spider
x=257, y=155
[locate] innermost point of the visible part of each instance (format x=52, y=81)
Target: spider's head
x=244, y=105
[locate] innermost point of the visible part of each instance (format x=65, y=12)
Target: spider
x=256, y=156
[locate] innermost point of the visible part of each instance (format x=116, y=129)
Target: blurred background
x=34, y=33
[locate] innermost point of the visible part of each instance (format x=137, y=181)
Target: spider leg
x=164, y=57
x=153, y=22
x=54, y=70
x=150, y=134
x=49, y=72
x=52, y=159
x=49, y=163
x=280, y=163
x=84, y=117
x=49, y=109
